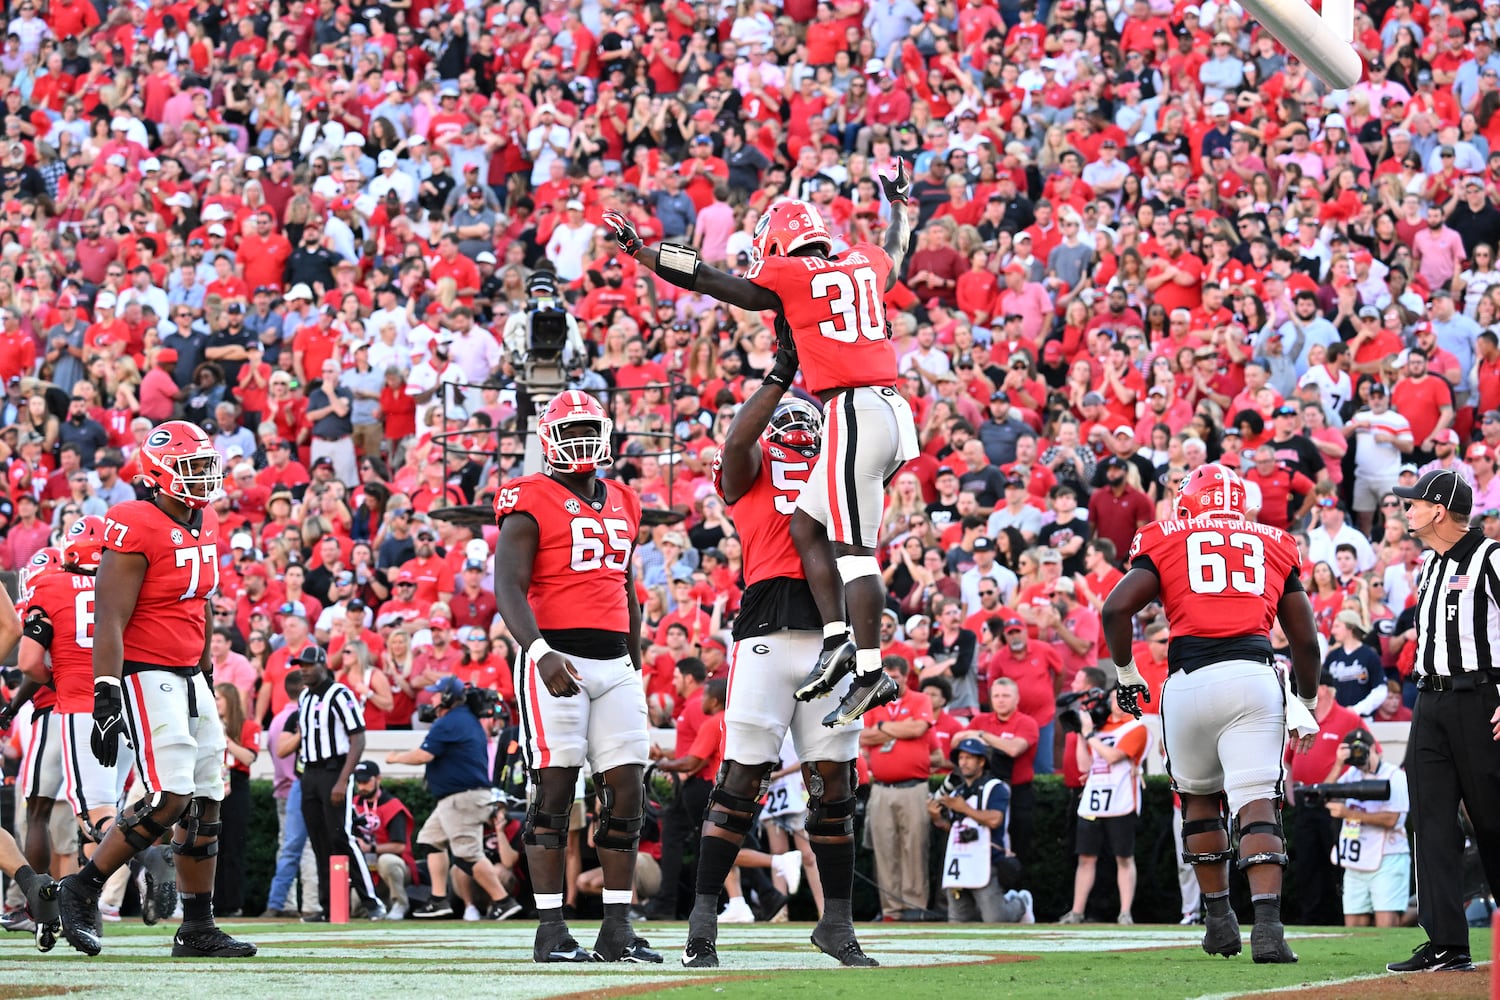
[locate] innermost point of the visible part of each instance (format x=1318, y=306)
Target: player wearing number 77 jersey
x=151, y=630
x=834, y=321
x=1223, y=581
x=565, y=586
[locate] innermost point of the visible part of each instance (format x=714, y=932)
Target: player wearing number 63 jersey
x=1222, y=581
x=768, y=454
x=831, y=321
x=158, y=567
x=565, y=585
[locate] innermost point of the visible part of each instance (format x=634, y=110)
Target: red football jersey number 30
x=1209, y=555
x=856, y=304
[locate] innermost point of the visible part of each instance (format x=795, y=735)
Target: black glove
x=1127, y=695
x=109, y=721
x=784, y=367
x=7, y=716
x=897, y=188
x=625, y=235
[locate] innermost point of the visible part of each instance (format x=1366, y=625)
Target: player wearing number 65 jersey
x=565, y=586
x=832, y=322
x=1223, y=581
x=159, y=565
x=767, y=456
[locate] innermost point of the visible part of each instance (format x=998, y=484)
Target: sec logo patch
x=572, y=506
x=176, y=536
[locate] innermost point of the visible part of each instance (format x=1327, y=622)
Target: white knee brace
x=851, y=568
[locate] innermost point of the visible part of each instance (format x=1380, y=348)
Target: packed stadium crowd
x=1144, y=239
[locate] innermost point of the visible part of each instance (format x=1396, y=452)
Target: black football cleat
x=864, y=694
x=554, y=943
x=41, y=903
x=159, y=895
x=840, y=943
x=832, y=666
x=78, y=909
x=1268, y=945
x=209, y=942
x=618, y=942
x=700, y=953
x=1221, y=935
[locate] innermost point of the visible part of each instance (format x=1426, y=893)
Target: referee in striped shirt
x=1453, y=753
x=331, y=734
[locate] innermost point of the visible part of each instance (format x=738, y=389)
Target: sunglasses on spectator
x=1391, y=503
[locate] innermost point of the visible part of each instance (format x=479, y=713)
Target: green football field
x=456, y=961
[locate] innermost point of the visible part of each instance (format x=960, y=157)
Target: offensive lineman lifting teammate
x=1223, y=581
x=760, y=475
x=834, y=313
x=566, y=589
x=159, y=565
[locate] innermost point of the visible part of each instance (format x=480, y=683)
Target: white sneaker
x=789, y=867
x=1189, y=919
x=737, y=912
x=471, y=913
x=110, y=914
x=396, y=912
x=1024, y=895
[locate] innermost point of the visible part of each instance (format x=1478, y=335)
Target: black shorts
x=1116, y=831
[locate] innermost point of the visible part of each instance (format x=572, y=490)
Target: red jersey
x=836, y=310
x=761, y=516
x=68, y=601
x=583, y=553
x=1243, y=567
x=167, y=626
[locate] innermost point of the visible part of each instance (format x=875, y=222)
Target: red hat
x=438, y=621
x=1192, y=191
x=703, y=115
x=341, y=205
x=1012, y=623
x=406, y=576
x=1014, y=268
x=260, y=609
x=165, y=356
x=13, y=205
x=712, y=644
x=256, y=569
x=1053, y=352
x=1478, y=450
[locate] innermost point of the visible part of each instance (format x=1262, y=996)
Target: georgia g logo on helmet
x=179, y=460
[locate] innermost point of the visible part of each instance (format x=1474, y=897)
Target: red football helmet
x=790, y=225
x=85, y=544
x=1211, y=490
x=43, y=561
x=179, y=460
x=575, y=452
x=795, y=424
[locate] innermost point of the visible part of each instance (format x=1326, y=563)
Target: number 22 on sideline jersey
x=836, y=309
x=1220, y=577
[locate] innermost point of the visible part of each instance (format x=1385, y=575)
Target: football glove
x=897, y=188
x=625, y=235
x=784, y=367
x=7, y=716
x=109, y=720
x=1132, y=689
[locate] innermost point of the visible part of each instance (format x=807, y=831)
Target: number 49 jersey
x=1221, y=578
x=836, y=309
x=583, y=552
x=167, y=627
x=67, y=599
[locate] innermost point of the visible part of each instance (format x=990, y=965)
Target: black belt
x=331, y=764
x=908, y=783
x=1460, y=682
x=320, y=437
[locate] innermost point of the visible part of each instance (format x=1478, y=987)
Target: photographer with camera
x=1110, y=752
x=456, y=754
x=980, y=873
x=1014, y=734
x=1372, y=847
x=1314, y=834
x=382, y=831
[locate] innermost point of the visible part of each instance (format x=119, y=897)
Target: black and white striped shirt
x=1458, y=608
x=325, y=719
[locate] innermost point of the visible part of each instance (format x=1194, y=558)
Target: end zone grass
x=452, y=960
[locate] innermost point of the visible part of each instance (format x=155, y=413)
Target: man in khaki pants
x=456, y=753
x=898, y=742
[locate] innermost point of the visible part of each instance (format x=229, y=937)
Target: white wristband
x=1128, y=675
x=1311, y=704
x=108, y=680
x=537, y=650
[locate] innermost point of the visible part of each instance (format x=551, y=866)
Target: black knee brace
x=548, y=830
x=1264, y=857
x=732, y=812
x=830, y=819
x=615, y=833
x=141, y=828
x=202, y=837
x=467, y=867
x=1195, y=826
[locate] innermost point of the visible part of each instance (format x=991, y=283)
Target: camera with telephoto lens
x=968, y=835
x=547, y=335
x=484, y=703
x=1316, y=795
x=1359, y=750
x=1071, y=705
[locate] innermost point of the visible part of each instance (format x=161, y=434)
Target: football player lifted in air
x=151, y=656
x=834, y=312
x=566, y=589
x=1223, y=581
x=764, y=465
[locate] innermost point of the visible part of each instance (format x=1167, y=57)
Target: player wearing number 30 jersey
x=831, y=321
x=565, y=585
x=1223, y=581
